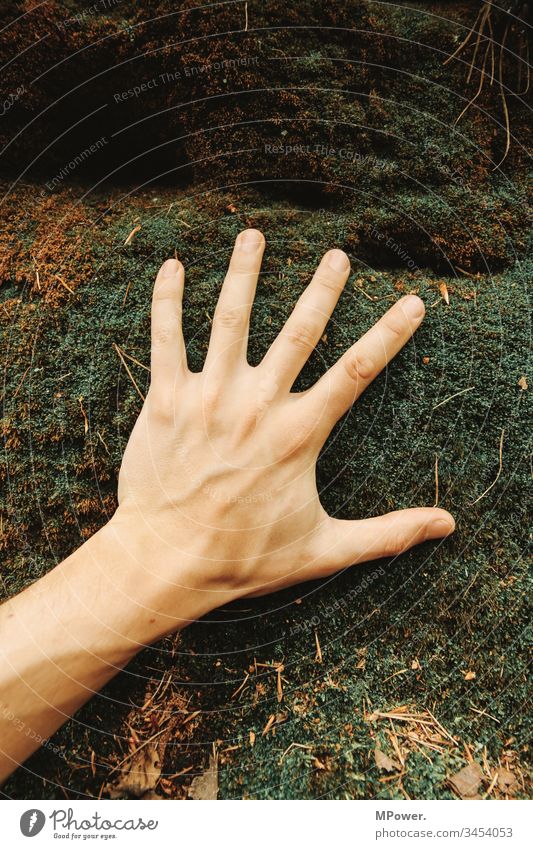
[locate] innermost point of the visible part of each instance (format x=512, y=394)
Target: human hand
x=217, y=486
x=217, y=497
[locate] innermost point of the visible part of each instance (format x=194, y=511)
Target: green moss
x=371, y=161
x=454, y=606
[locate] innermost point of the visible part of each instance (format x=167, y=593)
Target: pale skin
x=217, y=498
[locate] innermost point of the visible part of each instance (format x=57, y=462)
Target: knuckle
x=164, y=292
x=395, y=326
x=210, y=402
x=358, y=368
x=161, y=334
x=331, y=284
x=398, y=540
x=160, y=403
x=301, y=336
x=298, y=439
x=231, y=318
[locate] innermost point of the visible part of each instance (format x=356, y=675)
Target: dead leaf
x=205, y=787
x=139, y=775
x=415, y=664
x=252, y=738
x=469, y=676
x=132, y=234
x=231, y=208
x=523, y=384
x=506, y=780
x=384, y=762
x=466, y=782
x=443, y=289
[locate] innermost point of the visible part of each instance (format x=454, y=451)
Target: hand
x=217, y=498
x=217, y=485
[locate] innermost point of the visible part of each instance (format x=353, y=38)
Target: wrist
x=156, y=587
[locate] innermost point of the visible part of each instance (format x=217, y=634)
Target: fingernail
x=337, y=260
x=443, y=527
x=414, y=306
x=249, y=240
x=169, y=267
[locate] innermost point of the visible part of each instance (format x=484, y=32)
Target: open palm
x=220, y=467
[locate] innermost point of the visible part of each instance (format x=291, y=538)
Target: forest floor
x=383, y=682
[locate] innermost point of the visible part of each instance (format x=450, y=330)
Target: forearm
x=69, y=633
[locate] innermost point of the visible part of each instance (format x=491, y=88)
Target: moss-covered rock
x=452, y=607
x=323, y=125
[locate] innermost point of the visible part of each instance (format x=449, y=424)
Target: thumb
x=346, y=543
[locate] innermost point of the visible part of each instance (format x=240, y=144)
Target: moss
x=371, y=162
x=455, y=606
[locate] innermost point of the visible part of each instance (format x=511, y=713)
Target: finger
x=337, y=390
x=229, y=334
x=346, y=543
x=301, y=333
x=168, y=347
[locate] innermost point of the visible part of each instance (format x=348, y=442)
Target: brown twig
x=133, y=360
x=84, y=414
x=479, y=90
x=21, y=381
x=488, y=489
x=318, y=656
x=455, y=394
x=132, y=235
x=241, y=686
x=492, y=57
x=291, y=747
x=67, y=287
x=124, y=363
x=504, y=101
x=465, y=40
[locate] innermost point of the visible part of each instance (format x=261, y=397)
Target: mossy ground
x=425, y=208
x=452, y=607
